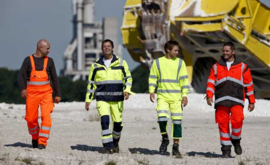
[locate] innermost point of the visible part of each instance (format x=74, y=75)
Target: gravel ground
x=76, y=139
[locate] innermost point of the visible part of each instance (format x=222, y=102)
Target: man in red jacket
x=230, y=80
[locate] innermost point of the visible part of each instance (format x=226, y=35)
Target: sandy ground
x=76, y=139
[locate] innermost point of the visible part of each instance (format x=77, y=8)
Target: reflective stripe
x=91, y=91
x=236, y=130
x=229, y=98
x=157, y=61
x=152, y=76
x=225, y=135
x=109, y=93
x=225, y=142
x=185, y=87
x=215, y=69
x=117, y=133
x=229, y=78
x=38, y=83
x=246, y=85
x=236, y=137
x=95, y=66
x=176, y=114
x=179, y=67
x=33, y=133
x=106, y=132
x=163, y=119
x=221, y=81
x=45, y=128
x=162, y=111
x=116, y=137
x=107, y=140
x=250, y=93
x=168, y=81
x=210, y=89
x=128, y=84
x=91, y=82
x=110, y=82
x=168, y=91
x=121, y=62
x=31, y=129
x=43, y=135
x=126, y=77
x=152, y=84
x=177, y=121
x=183, y=77
x=211, y=81
x=243, y=67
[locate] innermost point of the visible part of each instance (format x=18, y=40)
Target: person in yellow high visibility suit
x=110, y=80
x=169, y=75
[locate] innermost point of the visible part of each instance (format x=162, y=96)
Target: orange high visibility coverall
x=230, y=88
x=39, y=93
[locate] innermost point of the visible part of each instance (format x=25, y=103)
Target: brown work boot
x=175, y=150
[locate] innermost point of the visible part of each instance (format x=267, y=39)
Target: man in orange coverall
x=37, y=70
x=230, y=80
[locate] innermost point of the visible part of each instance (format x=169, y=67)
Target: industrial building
x=88, y=34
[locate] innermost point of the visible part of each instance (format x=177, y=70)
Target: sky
x=24, y=22
x=266, y=2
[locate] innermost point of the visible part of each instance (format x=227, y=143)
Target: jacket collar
x=101, y=62
x=222, y=61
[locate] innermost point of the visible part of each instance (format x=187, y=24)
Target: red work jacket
x=230, y=86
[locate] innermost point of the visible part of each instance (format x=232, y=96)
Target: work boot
x=116, y=145
x=108, y=148
x=164, y=145
x=237, y=146
x=109, y=151
x=226, y=151
x=34, y=143
x=41, y=146
x=175, y=150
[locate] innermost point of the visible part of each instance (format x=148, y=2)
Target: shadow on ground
x=205, y=154
x=19, y=144
x=145, y=151
x=87, y=148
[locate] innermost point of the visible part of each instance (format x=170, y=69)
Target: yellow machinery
x=201, y=27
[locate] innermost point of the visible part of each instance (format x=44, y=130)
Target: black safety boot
x=41, y=146
x=116, y=145
x=175, y=150
x=108, y=148
x=226, y=151
x=164, y=145
x=237, y=146
x=35, y=143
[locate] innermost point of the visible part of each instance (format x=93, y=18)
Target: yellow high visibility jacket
x=170, y=77
x=108, y=84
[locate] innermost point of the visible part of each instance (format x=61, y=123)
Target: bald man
x=34, y=79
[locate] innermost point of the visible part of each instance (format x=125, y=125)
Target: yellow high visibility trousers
x=105, y=110
x=164, y=109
